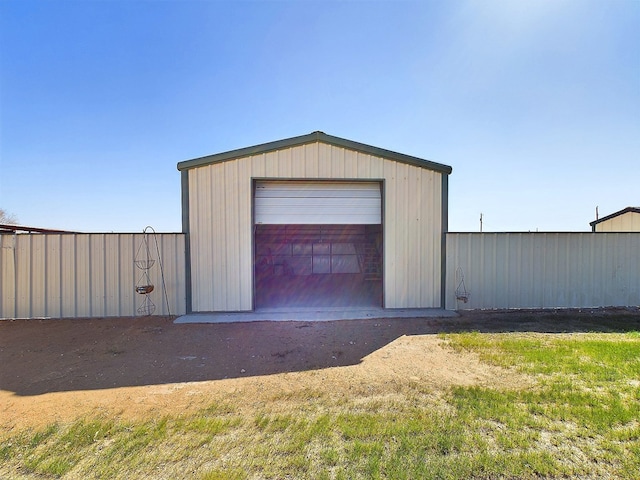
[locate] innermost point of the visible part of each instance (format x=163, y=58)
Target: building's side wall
x=86, y=275
x=543, y=270
x=220, y=222
x=627, y=222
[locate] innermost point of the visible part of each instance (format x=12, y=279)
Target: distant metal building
x=625, y=220
x=12, y=228
x=314, y=221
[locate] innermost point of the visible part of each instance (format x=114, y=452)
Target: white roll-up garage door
x=294, y=202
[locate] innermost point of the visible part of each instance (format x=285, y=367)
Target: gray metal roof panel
x=12, y=228
x=313, y=138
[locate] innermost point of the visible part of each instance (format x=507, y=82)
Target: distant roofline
x=313, y=138
x=616, y=214
x=10, y=228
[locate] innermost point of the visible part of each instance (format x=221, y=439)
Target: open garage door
x=318, y=203
x=318, y=244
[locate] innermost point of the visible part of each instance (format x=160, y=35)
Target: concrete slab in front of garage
x=304, y=314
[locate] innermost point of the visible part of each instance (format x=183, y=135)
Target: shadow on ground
x=43, y=356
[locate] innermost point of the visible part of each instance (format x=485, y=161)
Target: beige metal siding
x=88, y=275
x=627, y=222
x=220, y=222
x=544, y=270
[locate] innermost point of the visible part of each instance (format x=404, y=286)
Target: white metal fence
x=542, y=270
x=88, y=275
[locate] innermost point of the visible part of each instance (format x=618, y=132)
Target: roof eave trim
x=313, y=138
x=381, y=152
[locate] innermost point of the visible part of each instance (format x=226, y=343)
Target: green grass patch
x=222, y=474
x=585, y=402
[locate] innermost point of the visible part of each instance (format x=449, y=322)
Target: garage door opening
x=318, y=266
x=318, y=244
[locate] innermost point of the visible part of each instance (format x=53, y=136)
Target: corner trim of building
x=184, y=184
x=444, y=218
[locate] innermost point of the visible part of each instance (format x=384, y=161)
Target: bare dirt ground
x=134, y=368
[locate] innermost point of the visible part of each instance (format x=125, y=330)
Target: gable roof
x=616, y=214
x=313, y=138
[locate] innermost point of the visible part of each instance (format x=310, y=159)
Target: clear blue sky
x=535, y=104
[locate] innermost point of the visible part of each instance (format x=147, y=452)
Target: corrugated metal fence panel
x=220, y=222
x=87, y=275
x=543, y=270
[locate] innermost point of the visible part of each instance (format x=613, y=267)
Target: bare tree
x=7, y=218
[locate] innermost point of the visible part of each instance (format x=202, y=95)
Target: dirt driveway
x=60, y=370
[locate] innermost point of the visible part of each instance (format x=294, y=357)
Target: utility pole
x=481, y=223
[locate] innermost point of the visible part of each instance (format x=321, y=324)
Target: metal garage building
x=315, y=221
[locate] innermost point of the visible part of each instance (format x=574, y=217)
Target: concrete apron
x=301, y=314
